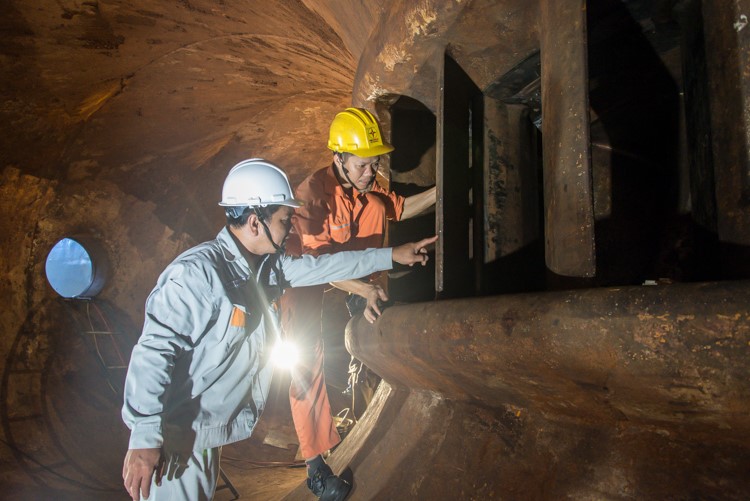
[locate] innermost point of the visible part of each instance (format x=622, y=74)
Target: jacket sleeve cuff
x=146, y=438
x=387, y=258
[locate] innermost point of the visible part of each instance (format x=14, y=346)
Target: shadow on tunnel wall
x=635, y=100
x=644, y=228
x=413, y=128
x=61, y=399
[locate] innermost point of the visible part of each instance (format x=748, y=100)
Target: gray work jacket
x=199, y=374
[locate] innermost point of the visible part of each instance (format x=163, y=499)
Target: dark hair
x=241, y=220
x=344, y=155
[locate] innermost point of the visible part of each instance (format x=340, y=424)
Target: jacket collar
x=232, y=253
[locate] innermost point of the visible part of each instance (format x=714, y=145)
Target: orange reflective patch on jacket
x=238, y=318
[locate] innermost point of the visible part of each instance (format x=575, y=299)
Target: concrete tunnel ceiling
x=120, y=120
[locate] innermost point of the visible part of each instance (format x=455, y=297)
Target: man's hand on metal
x=137, y=470
x=414, y=252
x=372, y=310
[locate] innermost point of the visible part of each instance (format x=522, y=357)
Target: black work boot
x=327, y=486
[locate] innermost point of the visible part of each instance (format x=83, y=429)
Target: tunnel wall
x=60, y=381
x=120, y=121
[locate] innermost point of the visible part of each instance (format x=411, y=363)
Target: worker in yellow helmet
x=345, y=209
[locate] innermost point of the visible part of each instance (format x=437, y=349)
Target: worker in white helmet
x=199, y=375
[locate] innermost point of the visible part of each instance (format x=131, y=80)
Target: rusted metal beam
x=569, y=207
x=674, y=354
x=727, y=42
x=511, y=187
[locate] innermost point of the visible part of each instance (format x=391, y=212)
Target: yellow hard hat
x=356, y=131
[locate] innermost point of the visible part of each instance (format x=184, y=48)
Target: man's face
x=362, y=170
x=279, y=225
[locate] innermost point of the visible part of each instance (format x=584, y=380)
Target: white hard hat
x=257, y=183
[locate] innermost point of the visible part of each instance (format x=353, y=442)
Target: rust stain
x=94, y=103
x=391, y=55
x=420, y=21
x=509, y=321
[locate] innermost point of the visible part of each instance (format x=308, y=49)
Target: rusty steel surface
x=511, y=193
x=569, y=206
x=611, y=393
x=642, y=353
x=727, y=42
x=403, y=53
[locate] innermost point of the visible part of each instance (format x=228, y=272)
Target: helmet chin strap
x=367, y=188
x=279, y=248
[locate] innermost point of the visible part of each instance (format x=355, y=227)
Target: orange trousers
x=301, y=308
